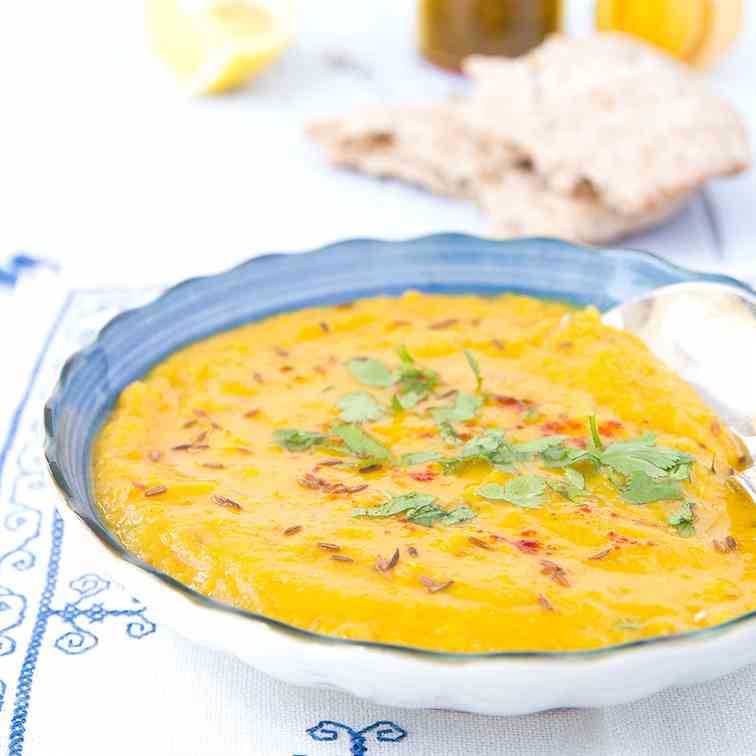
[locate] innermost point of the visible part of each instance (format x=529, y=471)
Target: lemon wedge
x=695, y=31
x=216, y=45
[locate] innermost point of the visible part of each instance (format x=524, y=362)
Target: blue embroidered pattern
x=385, y=732
x=29, y=506
x=10, y=273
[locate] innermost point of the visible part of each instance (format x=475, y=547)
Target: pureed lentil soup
x=452, y=473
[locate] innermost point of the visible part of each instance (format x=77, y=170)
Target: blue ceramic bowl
x=133, y=342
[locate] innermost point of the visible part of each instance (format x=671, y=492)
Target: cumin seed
x=545, y=603
x=447, y=394
x=195, y=448
x=292, y=530
x=439, y=325
x=341, y=558
x=356, y=489
x=258, y=378
x=242, y=449
x=601, y=554
x=329, y=462
x=435, y=587
x=325, y=327
x=393, y=561
x=281, y=352
x=252, y=413
x=156, y=490
x=725, y=546
x=224, y=501
x=181, y=447
x=138, y=485
x=412, y=551
x=329, y=546
x=555, y=572
x=199, y=412
x=214, y=465
x=200, y=438
x=190, y=423
x=477, y=542
x=498, y=343
x=370, y=468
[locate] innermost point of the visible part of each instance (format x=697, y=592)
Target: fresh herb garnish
x=572, y=486
x=475, y=367
x=418, y=508
x=683, y=520
x=360, y=442
x=370, y=372
x=448, y=434
x=293, y=439
x=526, y=491
x=464, y=407
x=359, y=407
x=643, y=489
x=419, y=458
x=414, y=383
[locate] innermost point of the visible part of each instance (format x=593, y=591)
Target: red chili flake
x=545, y=603
x=725, y=546
x=464, y=435
x=324, y=327
x=601, y=554
x=156, y=490
x=370, y=468
x=412, y=551
x=440, y=324
x=716, y=428
x=422, y=476
x=554, y=426
x=214, y=465
x=320, y=370
x=579, y=443
x=527, y=547
x=280, y=351
x=528, y=532
x=555, y=572
x=138, y=485
x=509, y=401
x=328, y=546
x=190, y=423
x=292, y=530
x=434, y=587
x=252, y=413
x=341, y=558
x=610, y=427
x=224, y=501
x=155, y=455
x=286, y=368
x=477, y=542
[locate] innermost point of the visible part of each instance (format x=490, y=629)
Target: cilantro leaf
x=643, y=455
x=643, y=489
x=526, y=491
x=683, y=520
x=370, y=372
x=446, y=429
x=464, y=407
x=563, y=456
x=359, y=407
x=539, y=445
x=404, y=355
x=293, y=439
x=475, y=367
x=418, y=508
x=572, y=486
x=414, y=383
x=360, y=442
x=419, y=458
x=490, y=446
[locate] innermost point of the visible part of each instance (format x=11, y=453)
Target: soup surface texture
x=455, y=473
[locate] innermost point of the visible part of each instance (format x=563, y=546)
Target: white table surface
x=107, y=168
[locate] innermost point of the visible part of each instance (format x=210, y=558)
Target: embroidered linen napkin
x=87, y=668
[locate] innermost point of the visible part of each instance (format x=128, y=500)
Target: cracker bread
x=429, y=146
x=608, y=113
x=425, y=145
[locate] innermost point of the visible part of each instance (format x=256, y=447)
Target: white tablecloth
x=124, y=184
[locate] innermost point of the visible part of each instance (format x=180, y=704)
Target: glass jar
x=450, y=30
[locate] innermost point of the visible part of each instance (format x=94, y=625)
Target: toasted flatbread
x=425, y=145
x=610, y=114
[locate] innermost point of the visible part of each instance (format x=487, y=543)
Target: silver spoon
x=705, y=332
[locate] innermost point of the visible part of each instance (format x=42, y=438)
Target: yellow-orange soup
x=266, y=467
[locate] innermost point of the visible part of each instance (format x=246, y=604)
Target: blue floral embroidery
x=385, y=732
x=10, y=274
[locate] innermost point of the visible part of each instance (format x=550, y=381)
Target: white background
x=108, y=168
